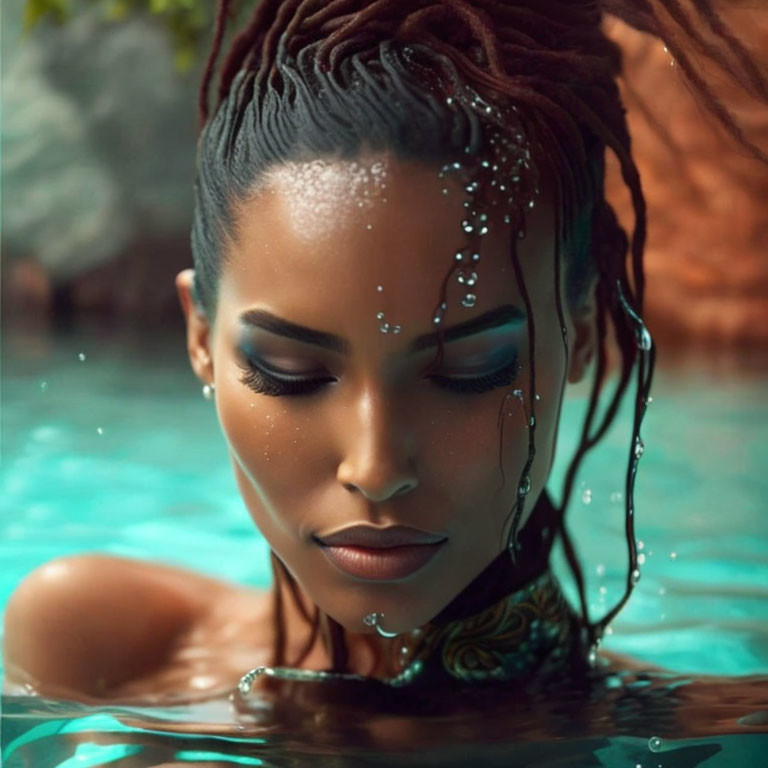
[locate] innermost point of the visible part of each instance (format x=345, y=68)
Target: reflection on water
x=620, y=719
x=117, y=424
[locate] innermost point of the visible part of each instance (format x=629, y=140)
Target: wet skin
x=377, y=442
x=379, y=439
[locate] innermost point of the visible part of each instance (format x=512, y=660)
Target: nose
x=378, y=461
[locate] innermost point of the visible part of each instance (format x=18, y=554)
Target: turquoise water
x=107, y=445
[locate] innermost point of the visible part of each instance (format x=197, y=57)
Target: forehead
x=328, y=242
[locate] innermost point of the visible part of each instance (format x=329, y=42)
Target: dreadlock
x=426, y=79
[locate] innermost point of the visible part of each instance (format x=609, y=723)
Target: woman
x=403, y=254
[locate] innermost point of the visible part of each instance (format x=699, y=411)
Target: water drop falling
x=635, y=577
x=469, y=300
x=99, y=431
x=654, y=744
x=81, y=357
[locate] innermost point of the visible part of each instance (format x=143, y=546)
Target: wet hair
x=440, y=81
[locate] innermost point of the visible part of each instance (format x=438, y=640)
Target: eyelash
x=263, y=382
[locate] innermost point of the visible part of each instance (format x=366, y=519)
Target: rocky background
x=98, y=145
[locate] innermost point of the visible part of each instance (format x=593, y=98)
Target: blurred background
x=107, y=444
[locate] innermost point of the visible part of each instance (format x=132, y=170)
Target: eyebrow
x=505, y=314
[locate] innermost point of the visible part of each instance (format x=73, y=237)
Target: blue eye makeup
x=267, y=381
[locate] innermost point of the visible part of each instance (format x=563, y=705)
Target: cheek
x=277, y=456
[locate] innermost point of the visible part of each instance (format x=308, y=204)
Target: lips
x=381, y=554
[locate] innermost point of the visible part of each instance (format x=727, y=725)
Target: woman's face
x=332, y=423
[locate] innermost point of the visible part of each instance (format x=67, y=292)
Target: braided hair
x=434, y=80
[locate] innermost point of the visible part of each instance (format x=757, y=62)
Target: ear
x=198, y=328
x=583, y=338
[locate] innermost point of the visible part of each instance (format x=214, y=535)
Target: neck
x=312, y=640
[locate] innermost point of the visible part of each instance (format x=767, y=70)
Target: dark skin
x=379, y=440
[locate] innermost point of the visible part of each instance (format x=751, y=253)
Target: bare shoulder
x=89, y=625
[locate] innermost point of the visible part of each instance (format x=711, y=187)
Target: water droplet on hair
x=449, y=100
x=531, y=203
x=644, y=340
x=81, y=357
x=537, y=397
x=635, y=577
x=639, y=447
x=648, y=400
x=654, y=744
x=469, y=300
x=586, y=496
x=467, y=277
x=521, y=235
x=641, y=559
x=525, y=486
x=532, y=421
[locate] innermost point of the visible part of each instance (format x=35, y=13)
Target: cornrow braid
x=437, y=79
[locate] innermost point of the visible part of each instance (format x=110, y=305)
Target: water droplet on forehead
x=379, y=288
x=467, y=277
x=379, y=315
x=469, y=300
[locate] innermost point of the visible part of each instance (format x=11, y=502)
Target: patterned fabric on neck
x=529, y=633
